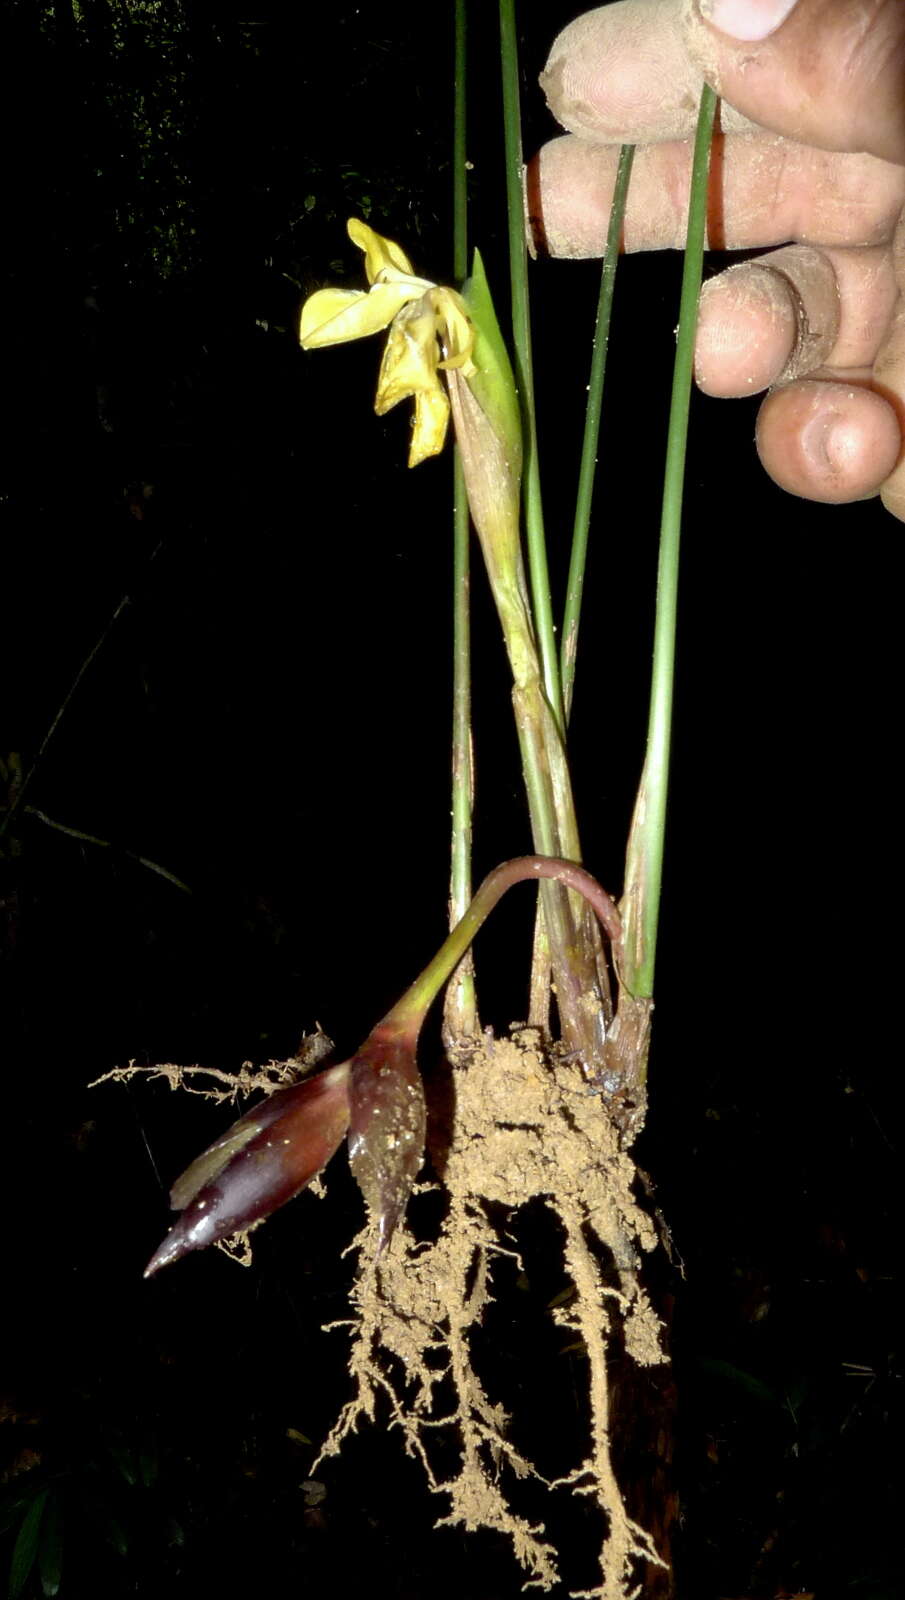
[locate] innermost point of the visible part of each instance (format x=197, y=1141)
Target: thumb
x=889, y=376
x=829, y=73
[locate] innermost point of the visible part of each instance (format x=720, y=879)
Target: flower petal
x=332, y=316
x=409, y=370
x=380, y=253
x=409, y=364
x=431, y=422
x=455, y=330
x=261, y=1162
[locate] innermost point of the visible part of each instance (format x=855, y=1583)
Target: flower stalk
x=486, y=417
x=433, y=331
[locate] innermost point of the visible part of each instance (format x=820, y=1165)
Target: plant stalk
x=579, y=976
x=588, y=468
x=521, y=334
x=460, y=1013
x=644, y=856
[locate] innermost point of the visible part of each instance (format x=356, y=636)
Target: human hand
x=821, y=163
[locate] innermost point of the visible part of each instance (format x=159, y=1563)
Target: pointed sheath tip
x=195, y=1229
x=163, y=1255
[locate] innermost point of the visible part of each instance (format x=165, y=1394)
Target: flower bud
x=261, y=1162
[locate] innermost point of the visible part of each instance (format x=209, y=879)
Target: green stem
x=460, y=1010
x=578, y=969
x=459, y=172
x=588, y=965
x=460, y=1007
x=411, y=1009
x=538, y=570
x=588, y=468
x=644, y=859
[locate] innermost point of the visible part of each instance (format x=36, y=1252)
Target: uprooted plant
x=539, y=1116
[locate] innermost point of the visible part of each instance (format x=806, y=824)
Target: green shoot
x=588, y=468
x=644, y=858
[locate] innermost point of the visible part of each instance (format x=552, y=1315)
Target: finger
x=889, y=377
x=765, y=191
x=828, y=441
x=791, y=314
x=830, y=74
x=622, y=75
x=824, y=72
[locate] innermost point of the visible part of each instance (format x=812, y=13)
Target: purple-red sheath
x=261, y=1162
x=386, y=1130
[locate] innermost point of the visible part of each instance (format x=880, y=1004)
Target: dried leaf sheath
x=386, y=1133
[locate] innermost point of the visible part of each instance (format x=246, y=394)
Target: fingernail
x=827, y=442
x=746, y=19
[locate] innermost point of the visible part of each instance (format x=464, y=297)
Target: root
x=525, y=1128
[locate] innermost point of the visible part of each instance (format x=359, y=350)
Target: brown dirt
x=524, y=1128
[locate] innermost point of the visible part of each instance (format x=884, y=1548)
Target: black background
x=268, y=719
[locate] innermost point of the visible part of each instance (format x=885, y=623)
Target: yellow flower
x=429, y=331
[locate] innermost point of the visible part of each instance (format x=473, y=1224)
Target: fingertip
x=621, y=75
x=828, y=442
x=768, y=321
x=747, y=330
